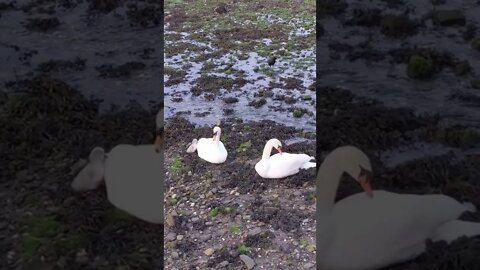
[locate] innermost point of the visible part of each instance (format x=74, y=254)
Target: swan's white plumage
x=281, y=165
x=133, y=177
x=386, y=229
x=210, y=149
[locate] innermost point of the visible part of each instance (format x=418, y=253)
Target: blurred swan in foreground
x=133, y=177
x=210, y=149
x=378, y=228
x=281, y=164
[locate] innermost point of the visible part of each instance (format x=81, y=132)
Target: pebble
x=209, y=251
x=254, y=231
x=249, y=262
x=297, y=193
x=175, y=255
x=81, y=257
x=308, y=265
x=170, y=220
x=195, y=219
x=223, y=264
x=179, y=237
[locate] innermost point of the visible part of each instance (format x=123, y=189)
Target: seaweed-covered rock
x=448, y=17
x=420, y=67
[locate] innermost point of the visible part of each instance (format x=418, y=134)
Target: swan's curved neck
x=267, y=150
x=328, y=179
x=217, y=136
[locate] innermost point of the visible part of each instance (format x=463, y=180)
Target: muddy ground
x=215, y=213
x=376, y=94
x=49, y=123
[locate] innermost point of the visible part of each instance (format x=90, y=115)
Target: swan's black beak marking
x=214, y=135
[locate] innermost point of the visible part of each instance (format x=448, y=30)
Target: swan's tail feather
x=455, y=229
x=192, y=147
x=470, y=207
x=309, y=165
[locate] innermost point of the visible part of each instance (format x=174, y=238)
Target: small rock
x=476, y=84
x=476, y=44
x=254, y=231
x=81, y=257
x=448, y=17
x=171, y=236
x=170, y=220
x=180, y=237
x=308, y=265
x=175, y=255
x=209, y=251
x=224, y=264
x=249, y=262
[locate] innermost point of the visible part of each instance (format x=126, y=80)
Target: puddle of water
x=105, y=39
x=389, y=82
x=299, y=64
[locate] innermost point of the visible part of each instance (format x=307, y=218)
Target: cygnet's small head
x=216, y=132
x=357, y=165
x=275, y=143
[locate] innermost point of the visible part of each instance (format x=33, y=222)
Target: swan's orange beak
x=365, y=184
x=214, y=135
x=279, y=150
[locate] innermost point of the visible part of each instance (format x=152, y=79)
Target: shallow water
x=388, y=82
x=299, y=64
x=100, y=39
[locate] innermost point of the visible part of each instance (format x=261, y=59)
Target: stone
x=249, y=262
x=254, y=231
x=209, y=251
x=171, y=236
x=448, y=17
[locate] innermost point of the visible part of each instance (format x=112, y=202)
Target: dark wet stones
x=272, y=60
x=438, y=2
x=331, y=7
x=103, y=6
x=264, y=93
x=221, y=8
x=475, y=83
x=257, y=103
x=78, y=64
x=213, y=84
x=229, y=100
x=144, y=16
x=462, y=68
x=420, y=67
x=448, y=17
x=470, y=31
x=111, y=71
x=390, y=24
x=365, y=17
x=398, y=26
x=440, y=59
x=292, y=83
x=476, y=44
x=42, y=24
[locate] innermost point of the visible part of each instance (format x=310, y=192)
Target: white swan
x=133, y=177
x=364, y=232
x=210, y=149
x=282, y=164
